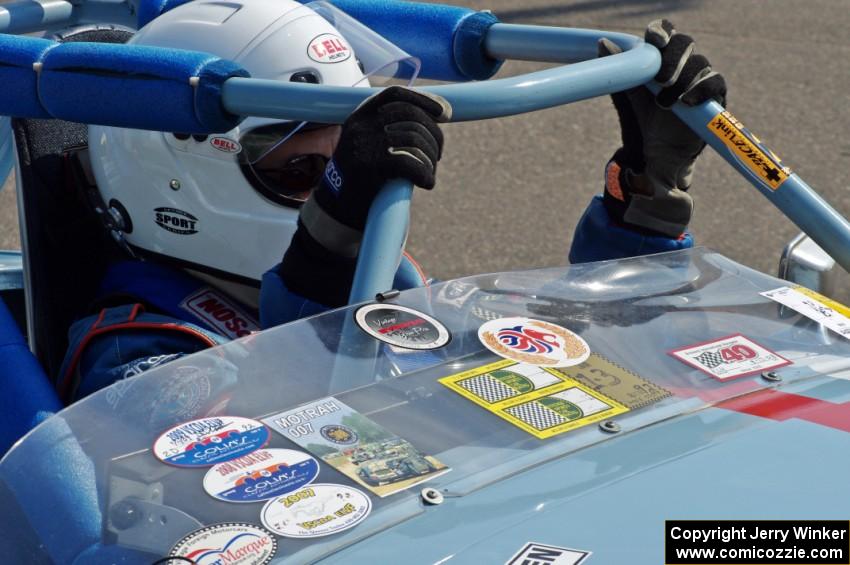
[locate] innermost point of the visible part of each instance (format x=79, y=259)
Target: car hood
x=594, y=456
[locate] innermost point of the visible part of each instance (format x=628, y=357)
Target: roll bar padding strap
x=19, y=94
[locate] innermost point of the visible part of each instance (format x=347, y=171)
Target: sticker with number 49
x=729, y=357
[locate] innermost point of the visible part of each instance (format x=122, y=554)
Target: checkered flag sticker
x=488, y=388
x=536, y=415
x=709, y=359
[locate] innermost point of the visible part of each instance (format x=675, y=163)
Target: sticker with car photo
x=356, y=446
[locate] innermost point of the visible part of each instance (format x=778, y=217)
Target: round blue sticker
x=207, y=441
x=261, y=475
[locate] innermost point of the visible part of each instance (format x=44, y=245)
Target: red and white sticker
x=233, y=543
x=328, y=48
x=729, y=357
x=220, y=313
x=534, y=342
x=225, y=144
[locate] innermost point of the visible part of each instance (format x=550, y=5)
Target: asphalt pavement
x=510, y=191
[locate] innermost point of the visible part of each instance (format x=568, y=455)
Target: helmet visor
x=296, y=161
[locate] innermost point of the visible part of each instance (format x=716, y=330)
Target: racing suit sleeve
x=599, y=238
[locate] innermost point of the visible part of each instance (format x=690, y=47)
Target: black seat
x=66, y=247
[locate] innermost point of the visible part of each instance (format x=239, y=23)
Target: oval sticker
x=316, y=511
x=534, y=342
x=402, y=326
x=207, y=441
x=328, y=48
x=225, y=144
x=176, y=221
x=261, y=475
x=232, y=543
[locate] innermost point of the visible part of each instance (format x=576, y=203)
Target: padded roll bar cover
x=150, y=9
x=28, y=397
x=137, y=86
x=447, y=39
x=19, y=92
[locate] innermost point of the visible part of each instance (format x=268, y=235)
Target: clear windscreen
x=389, y=403
x=381, y=61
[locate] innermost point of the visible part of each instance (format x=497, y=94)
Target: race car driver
x=226, y=207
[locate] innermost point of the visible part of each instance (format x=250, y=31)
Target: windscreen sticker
x=402, y=327
x=749, y=150
x=534, y=553
x=729, y=357
x=232, y=543
x=533, y=342
x=627, y=388
x=814, y=306
x=823, y=300
x=539, y=400
x=316, y=511
x=455, y=293
x=356, y=446
x=261, y=475
x=207, y=441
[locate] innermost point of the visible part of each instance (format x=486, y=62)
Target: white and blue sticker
x=261, y=475
x=208, y=441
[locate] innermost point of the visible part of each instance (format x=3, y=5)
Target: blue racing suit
x=164, y=313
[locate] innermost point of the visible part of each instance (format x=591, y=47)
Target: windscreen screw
x=610, y=427
x=771, y=376
x=124, y=514
x=174, y=184
x=431, y=496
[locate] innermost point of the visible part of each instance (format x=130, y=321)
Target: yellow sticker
x=837, y=306
x=615, y=382
x=749, y=149
x=539, y=400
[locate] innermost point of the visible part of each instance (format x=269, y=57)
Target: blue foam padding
x=447, y=39
x=26, y=395
x=19, y=90
x=137, y=86
x=469, y=53
x=150, y=9
x=55, y=484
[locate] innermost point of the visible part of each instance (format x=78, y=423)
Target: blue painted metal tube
x=477, y=100
x=794, y=198
x=383, y=240
x=34, y=15
x=389, y=217
x=550, y=44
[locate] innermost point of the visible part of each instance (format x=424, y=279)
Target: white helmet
x=199, y=199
